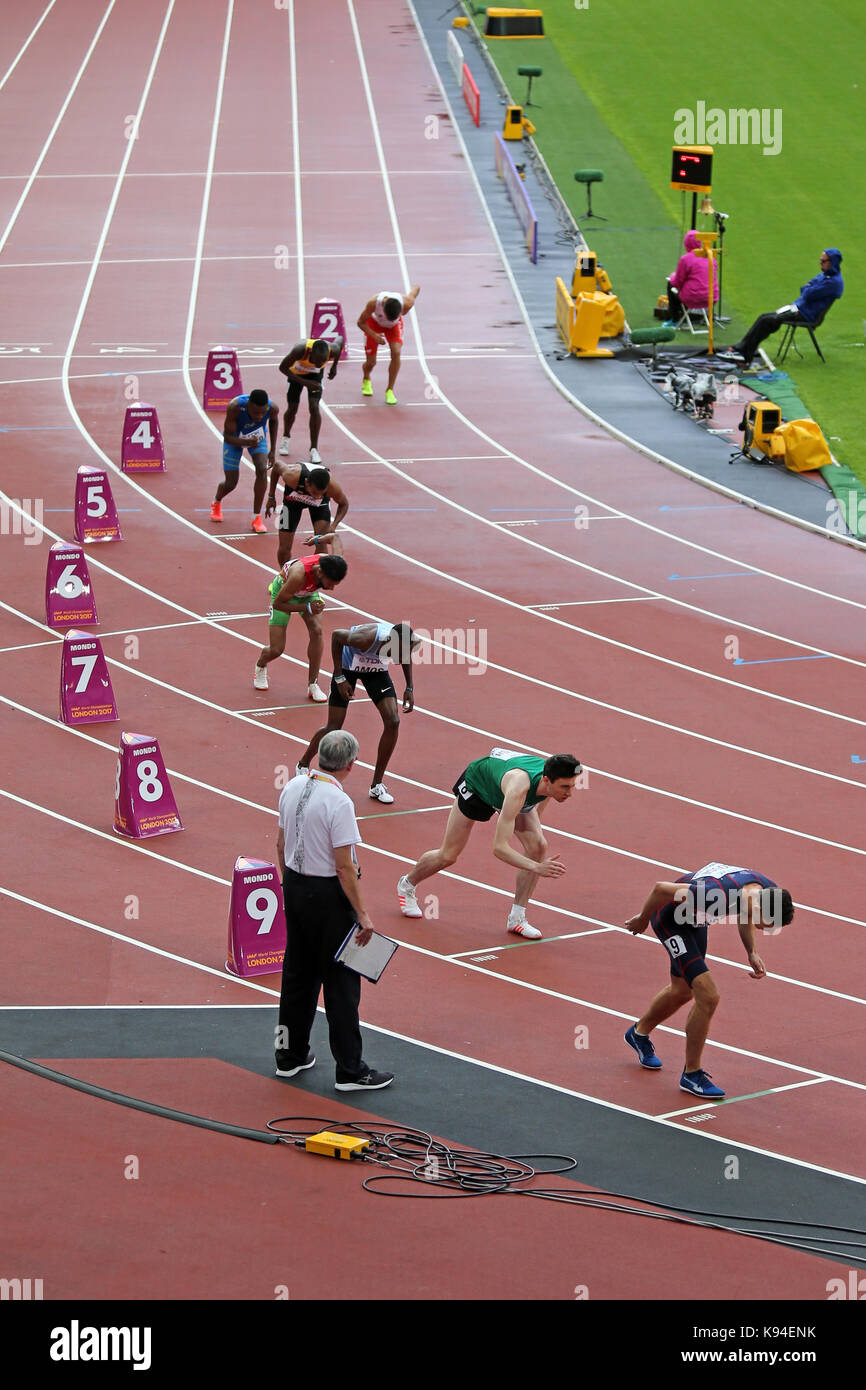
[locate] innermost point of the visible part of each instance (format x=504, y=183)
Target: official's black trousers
x=763, y=326
x=318, y=919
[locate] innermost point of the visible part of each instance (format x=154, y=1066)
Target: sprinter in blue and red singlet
x=249, y=420
x=679, y=913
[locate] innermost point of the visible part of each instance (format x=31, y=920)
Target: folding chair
x=686, y=321
x=791, y=328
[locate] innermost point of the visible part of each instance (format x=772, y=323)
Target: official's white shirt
x=316, y=817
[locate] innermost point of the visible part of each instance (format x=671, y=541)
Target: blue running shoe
x=698, y=1083
x=644, y=1049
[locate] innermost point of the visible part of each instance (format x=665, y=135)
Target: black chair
x=791, y=328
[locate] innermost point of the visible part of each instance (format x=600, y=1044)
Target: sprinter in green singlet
x=519, y=786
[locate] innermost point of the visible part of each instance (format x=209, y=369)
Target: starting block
x=257, y=919
x=69, y=597
x=222, y=378
x=95, y=512
x=86, y=695
x=328, y=322
x=143, y=800
x=141, y=450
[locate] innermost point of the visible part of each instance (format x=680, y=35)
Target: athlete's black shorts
x=378, y=685
x=313, y=383
x=291, y=513
x=471, y=806
x=686, y=946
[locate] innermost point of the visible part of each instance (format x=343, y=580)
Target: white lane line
x=590, y=602
x=730, y=1100
x=142, y=945
x=122, y=631
x=487, y=951
x=106, y=225
x=188, y=260
x=120, y=841
x=9, y=71
x=446, y=1052
x=53, y=131
x=205, y=204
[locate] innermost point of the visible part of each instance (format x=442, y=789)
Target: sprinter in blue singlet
x=679, y=913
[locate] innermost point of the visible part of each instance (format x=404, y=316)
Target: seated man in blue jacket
x=815, y=299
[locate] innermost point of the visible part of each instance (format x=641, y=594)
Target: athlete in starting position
x=248, y=420
x=518, y=786
x=678, y=914
x=363, y=653
x=296, y=590
x=312, y=488
x=381, y=319
x=305, y=367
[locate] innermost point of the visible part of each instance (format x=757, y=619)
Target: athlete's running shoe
x=216, y=512
x=316, y=695
x=644, y=1049
x=522, y=928
x=367, y=387
x=379, y=792
x=260, y=678
x=390, y=398
x=698, y=1083
x=259, y=526
x=315, y=456
x=285, y=447
x=407, y=900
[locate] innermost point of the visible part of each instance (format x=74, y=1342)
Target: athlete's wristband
x=339, y=680
x=410, y=690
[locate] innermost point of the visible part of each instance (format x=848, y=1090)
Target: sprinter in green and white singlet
x=519, y=786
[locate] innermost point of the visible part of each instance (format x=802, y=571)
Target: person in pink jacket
x=688, y=287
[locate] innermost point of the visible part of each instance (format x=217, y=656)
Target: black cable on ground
x=431, y=1170
x=132, y=1103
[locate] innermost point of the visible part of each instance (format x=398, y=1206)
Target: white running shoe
x=316, y=695
x=380, y=792
x=285, y=448
x=260, y=679
x=407, y=900
x=522, y=928
x=315, y=456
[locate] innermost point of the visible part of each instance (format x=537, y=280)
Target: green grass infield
x=622, y=80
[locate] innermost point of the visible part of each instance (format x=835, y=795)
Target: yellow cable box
x=335, y=1145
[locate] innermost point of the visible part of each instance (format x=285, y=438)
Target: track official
x=316, y=856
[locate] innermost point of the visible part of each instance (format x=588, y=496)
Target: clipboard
x=370, y=960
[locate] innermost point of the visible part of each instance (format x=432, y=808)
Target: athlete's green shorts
x=279, y=618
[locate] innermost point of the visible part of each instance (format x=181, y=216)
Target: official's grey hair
x=337, y=750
